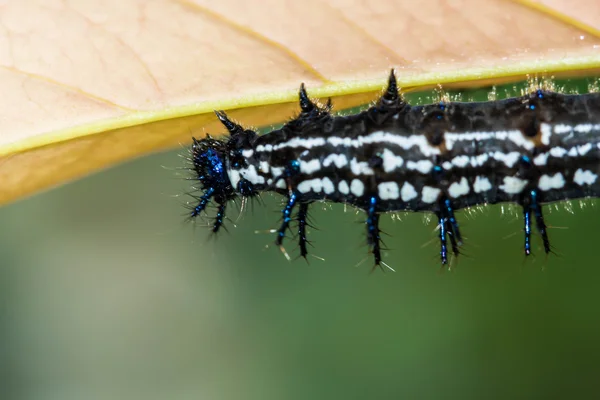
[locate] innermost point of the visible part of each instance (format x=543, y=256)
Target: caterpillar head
x=209, y=162
x=214, y=160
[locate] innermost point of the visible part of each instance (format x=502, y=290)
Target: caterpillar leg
x=301, y=217
x=287, y=218
x=527, y=226
x=448, y=229
x=443, y=243
x=453, y=239
x=373, y=232
x=532, y=207
x=539, y=221
x=219, y=217
x=456, y=238
x=202, y=203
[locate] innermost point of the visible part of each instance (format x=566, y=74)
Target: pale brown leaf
x=88, y=83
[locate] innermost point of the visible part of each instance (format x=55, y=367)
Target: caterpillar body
x=538, y=148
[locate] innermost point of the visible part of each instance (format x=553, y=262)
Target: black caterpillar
x=530, y=150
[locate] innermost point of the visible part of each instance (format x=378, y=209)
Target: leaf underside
x=88, y=84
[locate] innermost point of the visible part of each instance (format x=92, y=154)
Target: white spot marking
x=406, y=142
x=513, y=185
x=562, y=129
x=583, y=128
x=514, y=136
x=314, y=185
x=555, y=181
x=388, y=191
x=247, y=153
x=276, y=171
x=234, y=177
x=430, y=194
x=482, y=184
x=508, y=159
x=343, y=187
x=281, y=184
x=251, y=174
x=542, y=159
x=264, y=167
x=357, y=187
x=308, y=167
x=423, y=166
x=546, y=131
x=584, y=177
x=339, y=160
x=317, y=185
x=304, y=186
x=517, y=138
x=558, y=152
x=447, y=165
x=408, y=192
x=328, y=186
x=360, y=167
x=391, y=161
x=584, y=149
x=461, y=161
x=458, y=189
x=262, y=148
x=477, y=161
x=300, y=142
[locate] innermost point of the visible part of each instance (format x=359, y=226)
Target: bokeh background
x=105, y=293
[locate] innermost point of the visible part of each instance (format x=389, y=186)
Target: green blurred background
x=107, y=294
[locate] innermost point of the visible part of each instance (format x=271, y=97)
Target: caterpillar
x=531, y=150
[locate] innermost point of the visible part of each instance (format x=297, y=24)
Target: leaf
x=87, y=84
